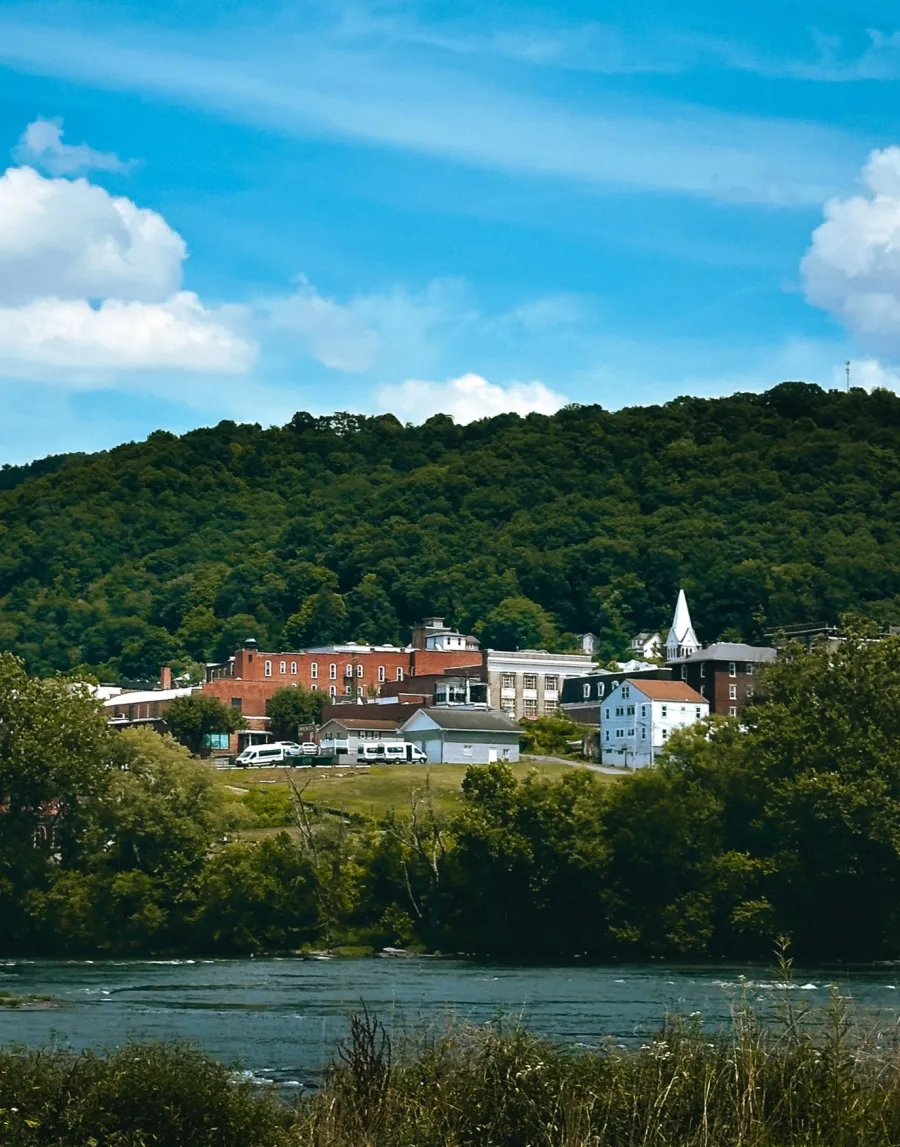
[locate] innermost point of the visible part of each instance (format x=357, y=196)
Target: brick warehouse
x=247, y=680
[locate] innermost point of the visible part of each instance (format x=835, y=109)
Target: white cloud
x=71, y=239
x=42, y=146
x=91, y=283
x=71, y=334
x=312, y=83
x=868, y=373
x=852, y=268
x=338, y=336
x=467, y=398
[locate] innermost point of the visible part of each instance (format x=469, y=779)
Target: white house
x=463, y=736
x=682, y=640
x=645, y=645
x=638, y=717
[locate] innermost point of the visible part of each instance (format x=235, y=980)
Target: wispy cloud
x=42, y=146
x=467, y=399
x=311, y=85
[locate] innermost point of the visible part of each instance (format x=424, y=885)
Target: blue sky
x=232, y=211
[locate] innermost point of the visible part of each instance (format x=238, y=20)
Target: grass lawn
x=383, y=787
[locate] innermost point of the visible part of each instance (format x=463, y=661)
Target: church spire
x=682, y=641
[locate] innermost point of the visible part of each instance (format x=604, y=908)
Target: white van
x=399, y=751
x=259, y=756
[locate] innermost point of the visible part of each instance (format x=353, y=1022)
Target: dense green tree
x=191, y=719
x=517, y=623
x=321, y=619
x=291, y=707
x=370, y=615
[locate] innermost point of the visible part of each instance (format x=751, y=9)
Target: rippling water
x=282, y=1019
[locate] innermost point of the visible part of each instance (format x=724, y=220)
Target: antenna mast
x=847, y=367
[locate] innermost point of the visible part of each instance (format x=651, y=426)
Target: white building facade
x=528, y=682
x=638, y=717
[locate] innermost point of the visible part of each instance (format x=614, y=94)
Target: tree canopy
x=769, y=509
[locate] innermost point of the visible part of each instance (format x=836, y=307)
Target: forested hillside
x=769, y=509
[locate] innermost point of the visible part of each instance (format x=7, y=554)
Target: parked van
x=259, y=756
x=389, y=751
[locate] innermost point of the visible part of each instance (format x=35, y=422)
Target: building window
x=314, y=670
x=732, y=669
x=732, y=711
x=751, y=668
x=293, y=668
x=702, y=690
x=665, y=734
x=631, y=710
x=507, y=680
x=626, y=691
x=267, y=669
x=750, y=692
x=643, y=710
x=529, y=681
x=684, y=673
x=697, y=712
x=549, y=708
x=282, y=668
x=332, y=690
x=531, y=707
x=348, y=670
x=620, y=710
x=607, y=714
x=586, y=691
x=607, y=734
x=614, y=684
x=600, y=690
x=702, y=669
x=467, y=750
x=643, y=732
x=732, y=692
x=348, y=690
x=665, y=710
x=313, y=687
x=359, y=671
x=382, y=673
x=236, y=703
x=620, y=732
x=551, y=684
x=332, y=672
x=399, y=673
x=508, y=706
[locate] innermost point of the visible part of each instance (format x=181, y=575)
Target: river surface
x=283, y=1019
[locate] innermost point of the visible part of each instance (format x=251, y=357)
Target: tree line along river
x=282, y=1019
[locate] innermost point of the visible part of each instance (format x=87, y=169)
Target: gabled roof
x=470, y=720
x=682, y=631
x=667, y=690
x=361, y=723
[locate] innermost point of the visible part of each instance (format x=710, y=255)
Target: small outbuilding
x=463, y=736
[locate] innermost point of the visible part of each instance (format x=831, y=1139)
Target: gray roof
x=472, y=720
x=734, y=651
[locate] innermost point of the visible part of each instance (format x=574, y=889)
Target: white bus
x=389, y=751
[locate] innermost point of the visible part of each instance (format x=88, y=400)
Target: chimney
x=165, y=677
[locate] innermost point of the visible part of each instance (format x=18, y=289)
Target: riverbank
x=803, y=1081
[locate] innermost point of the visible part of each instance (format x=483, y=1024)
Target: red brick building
x=726, y=675
x=251, y=676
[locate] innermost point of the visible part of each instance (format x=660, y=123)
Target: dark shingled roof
x=473, y=720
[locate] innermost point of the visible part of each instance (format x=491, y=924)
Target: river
x=282, y=1019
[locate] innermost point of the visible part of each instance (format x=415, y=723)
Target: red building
x=726, y=675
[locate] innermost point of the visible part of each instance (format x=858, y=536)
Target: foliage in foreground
x=118, y=841
x=804, y=1081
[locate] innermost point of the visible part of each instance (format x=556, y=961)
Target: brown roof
x=666, y=690
x=361, y=723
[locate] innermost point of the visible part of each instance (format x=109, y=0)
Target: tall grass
x=807, y=1079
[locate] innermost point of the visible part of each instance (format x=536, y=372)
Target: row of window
x=529, y=681
x=332, y=670
x=529, y=707
x=628, y=711
x=749, y=669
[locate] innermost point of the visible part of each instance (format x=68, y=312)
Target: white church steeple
x=682, y=641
